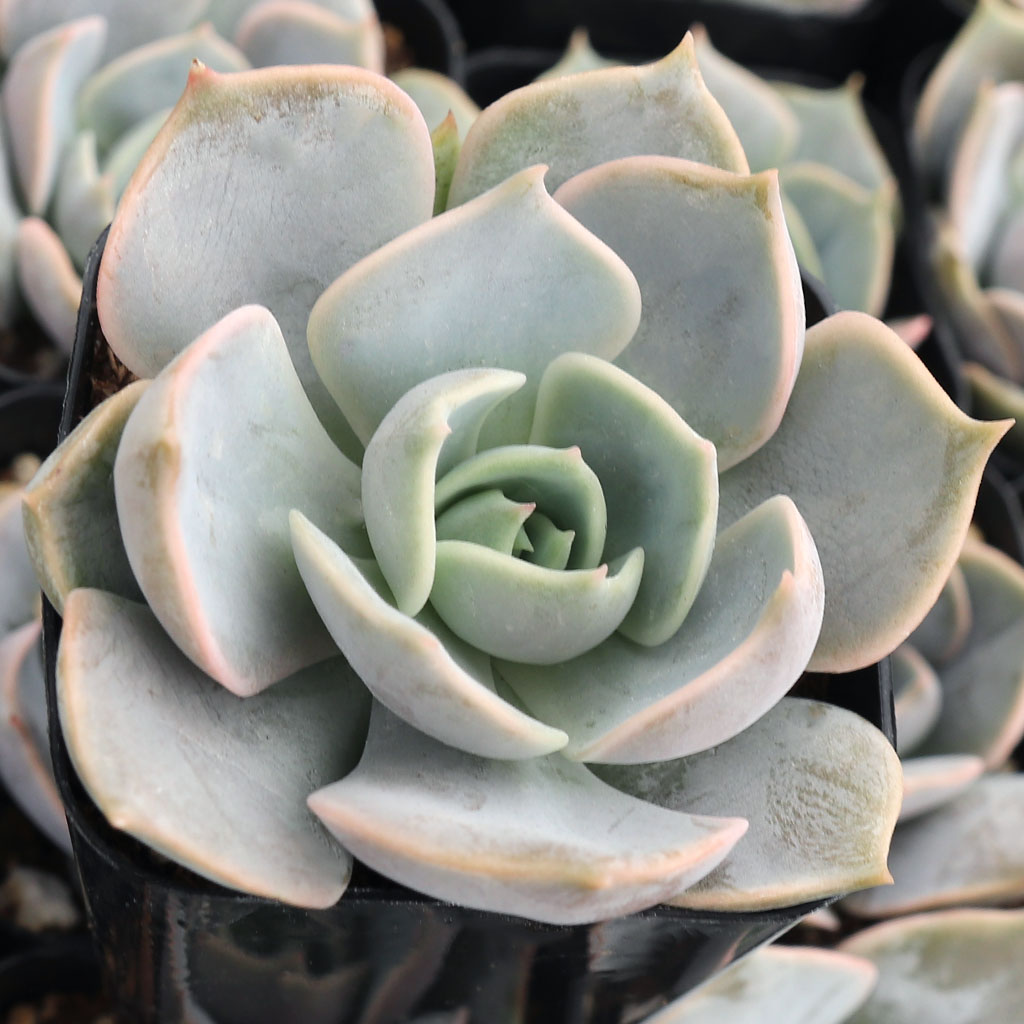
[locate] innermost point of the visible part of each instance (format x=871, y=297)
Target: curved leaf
x=70, y=516
x=508, y=280
x=203, y=505
x=917, y=696
x=362, y=141
x=820, y=787
x=929, y=782
x=888, y=518
x=943, y=632
x=578, y=122
x=744, y=643
x=722, y=324
x=49, y=282
x=436, y=94
x=212, y=781
x=540, y=838
x=417, y=669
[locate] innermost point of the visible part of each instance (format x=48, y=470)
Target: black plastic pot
x=430, y=32
x=64, y=965
x=29, y=419
x=173, y=944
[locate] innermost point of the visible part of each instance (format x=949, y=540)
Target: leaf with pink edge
x=358, y=136
x=820, y=787
x=583, y=120
x=929, y=782
x=957, y=967
x=203, y=505
x=722, y=324
x=216, y=782
x=540, y=838
x=49, y=282
x=887, y=523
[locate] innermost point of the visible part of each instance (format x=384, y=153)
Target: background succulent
x=85, y=89
x=232, y=511
x=967, y=139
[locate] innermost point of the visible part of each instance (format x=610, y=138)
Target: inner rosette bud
x=538, y=552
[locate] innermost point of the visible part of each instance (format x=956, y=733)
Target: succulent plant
x=840, y=195
x=538, y=474
x=85, y=89
x=960, y=967
x=967, y=140
x=959, y=684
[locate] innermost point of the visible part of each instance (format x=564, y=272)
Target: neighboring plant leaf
x=19, y=595
x=437, y=95
x=540, y=838
x=820, y=787
x=983, y=687
x=995, y=397
x=49, y=282
x=216, y=782
x=969, y=850
x=144, y=81
x=578, y=122
x=929, y=782
x=25, y=768
x=917, y=695
x=794, y=984
x=579, y=56
x=887, y=523
x=943, y=632
x=957, y=967
x=39, y=86
x=724, y=357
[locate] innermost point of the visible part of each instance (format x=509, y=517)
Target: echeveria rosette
x=967, y=141
x=541, y=391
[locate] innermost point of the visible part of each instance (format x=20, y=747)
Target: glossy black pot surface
x=174, y=945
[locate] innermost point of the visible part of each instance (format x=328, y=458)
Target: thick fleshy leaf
x=418, y=670
x=204, y=489
x=49, y=282
x=851, y=229
x=722, y=323
x=558, y=481
x=929, y=782
x=436, y=94
x=993, y=396
x=794, y=984
x=983, y=687
x=578, y=122
x=297, y=32
x=39, y=87
x=226, y=14
x=433, y=426
x=1006, y=273
x=212, y=781
x=917, y=695
x=148, y=79
x=989, y=46
x=511, y=608
x=912, y=329
x=888, y=518
x=359, y=137
x=834, y=131
x=982, y=331
x=509, y=280
x=980, y=184
x=69, y=513
x=658, y=476
x=766, y=126
x=130, y=22
x=24, y=745
x=943, y=632
x=445, y=140
x=488, y=518
x=969, y=850
x=19, y=592
x=807, y=254
x=84, y=201
x=579, y=56
x=10, y=219
x=743, y=645
x=541, y=838
x=957, y=967
x=820, y=787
